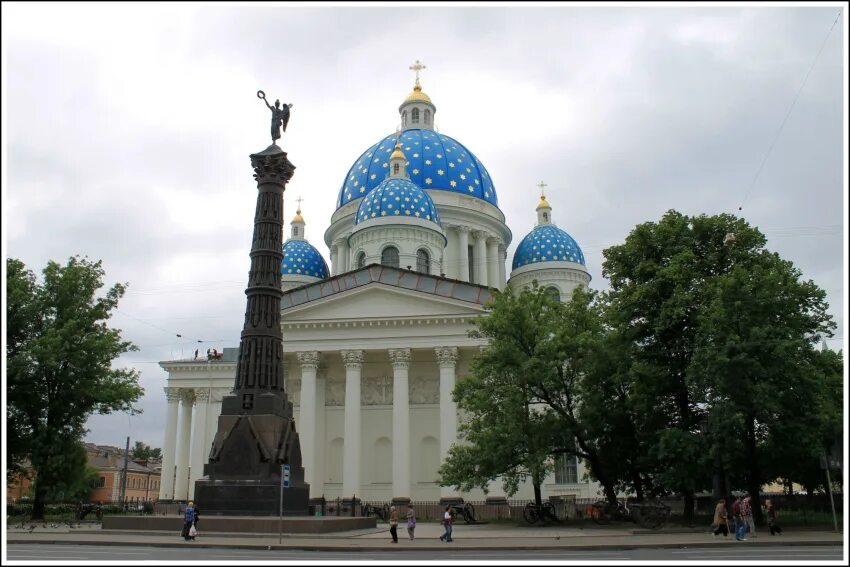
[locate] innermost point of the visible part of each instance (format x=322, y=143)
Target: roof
x=386, y=275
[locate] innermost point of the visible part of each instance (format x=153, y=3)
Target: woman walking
x=771, y=517
x=394, y=524
x=447, y=524
x=720, y=518
x=411, y=520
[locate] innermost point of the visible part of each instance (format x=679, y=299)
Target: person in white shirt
x=447, y=523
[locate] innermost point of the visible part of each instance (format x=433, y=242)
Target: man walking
x=447, y=524
x=720, y=518
x=747, y=513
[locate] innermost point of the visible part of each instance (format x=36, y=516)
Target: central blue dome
x=435, y=161
x=547, y=243
x=397, y=197
x=300, y=257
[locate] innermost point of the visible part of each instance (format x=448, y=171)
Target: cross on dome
x=542, y=188
x=298, y=200
x=416, y=67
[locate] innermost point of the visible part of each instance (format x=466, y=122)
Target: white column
x=342, y=255
x=447, y=359
x=353, y=360
x=334, y=262
x=212, y=418
x=480, y=257
x=493, y=262
x=463, y=253
x=450, y=252
x=401, y=422
x=503, y=257
x=309, y=365
x=321, y=438
x=200, y=450
x=166, y=482
x=184, y=438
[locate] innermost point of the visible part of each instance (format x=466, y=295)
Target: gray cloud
x=128, y=130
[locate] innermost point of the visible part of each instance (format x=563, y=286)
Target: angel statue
x=280, y=115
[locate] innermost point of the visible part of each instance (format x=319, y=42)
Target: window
x=566, y=469
x=389, y=257
x=553, y=292
x=404, y=118
x=361, y=260
x=414, y=115
x=101, y=482
x=546, y=217
x=294, y=231
x=423, y=262
x=395, y=168
x=427, y=116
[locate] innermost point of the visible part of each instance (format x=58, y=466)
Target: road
x=49, y=553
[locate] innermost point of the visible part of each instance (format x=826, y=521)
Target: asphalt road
x=736, y=554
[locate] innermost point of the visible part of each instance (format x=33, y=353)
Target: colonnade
x=192, y=419
x=488, y=256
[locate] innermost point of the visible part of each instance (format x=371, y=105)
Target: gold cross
x=298, y=200
x=542, y=186
x=417, y=67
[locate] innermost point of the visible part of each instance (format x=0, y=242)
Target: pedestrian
x=720, y=518
x=747, y=514
x=394, y=524
x=188, y=521
x=771, y=518
x=209, y=353
x=195, y=518
x=196, y=354
x=447, y=525
x=411, y=520
x=740, y=525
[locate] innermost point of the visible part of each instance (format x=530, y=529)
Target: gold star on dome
x=453, y=183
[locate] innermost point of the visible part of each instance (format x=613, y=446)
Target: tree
x=721, y=333
x=59, y=366
x=142, y=451
x=504, y=432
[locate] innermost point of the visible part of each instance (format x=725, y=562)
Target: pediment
x=379, y=301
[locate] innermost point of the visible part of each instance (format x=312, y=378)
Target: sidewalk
x=470, y=537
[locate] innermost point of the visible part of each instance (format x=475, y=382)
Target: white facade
x=372, y=353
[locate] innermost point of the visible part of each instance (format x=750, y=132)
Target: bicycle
x=382, y=512
x=465, y=511
x=650, y=515
x=534, y=513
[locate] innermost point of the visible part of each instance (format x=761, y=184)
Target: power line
x=776, y=137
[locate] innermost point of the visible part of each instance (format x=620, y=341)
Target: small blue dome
x=435, y=161
x=398, y=197
x=301, y=258
x=547, y=243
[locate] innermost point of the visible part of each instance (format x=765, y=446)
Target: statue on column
x=280, y=115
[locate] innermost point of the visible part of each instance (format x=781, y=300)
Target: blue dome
x=547, y=243
x=436, y=162
x=301, y=258
x=397, y=197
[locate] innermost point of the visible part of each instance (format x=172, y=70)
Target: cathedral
x=374, y=344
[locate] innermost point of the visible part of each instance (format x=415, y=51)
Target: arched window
x=427, y=116
x=294, y=231
x=361, y=260
x=389, y=257
x=404, y=118
x=423, y=262
x=546, y=217
x=553, y=292
x=395, y=168
x=414, y=115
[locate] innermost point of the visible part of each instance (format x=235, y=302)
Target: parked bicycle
x=465, y=511
x=650, y=515
x=534, y=513
x=381, y=511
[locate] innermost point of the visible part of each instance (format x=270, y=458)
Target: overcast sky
x=127, y=130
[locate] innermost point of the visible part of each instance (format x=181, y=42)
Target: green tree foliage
x=59, y=367
x=503, y=431
x=721, y=335
x=142, y=451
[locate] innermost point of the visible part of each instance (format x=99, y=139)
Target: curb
x=439, y=548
